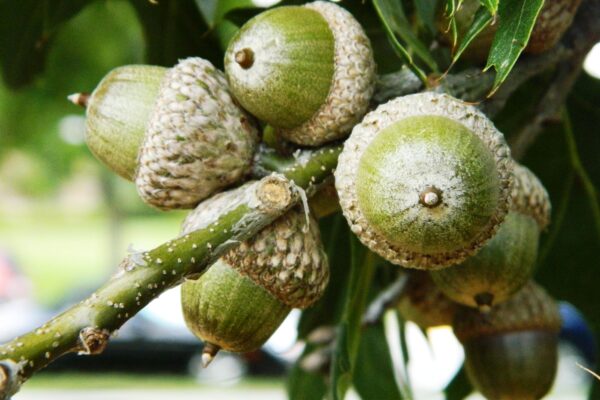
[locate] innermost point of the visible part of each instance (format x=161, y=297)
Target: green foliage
x=27, y=29
x=481, y=20
x=49, y=49
x=517, y=18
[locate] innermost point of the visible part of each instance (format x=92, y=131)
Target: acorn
x=239, y=302
x=508, y=260
x=424, y=180
x=423, y=303
x=176, y=132
x=554, y=19
x=511, y=352
x=306, y=70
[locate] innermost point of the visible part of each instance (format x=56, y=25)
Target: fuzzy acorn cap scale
x=176, y=132
x=529, y=309
x=306, y=70
x=286, y=258
x=424, y=180
x=197, y=140
x=529, y=196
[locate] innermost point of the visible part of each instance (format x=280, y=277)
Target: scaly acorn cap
x=306, y=70
x=529, y=196
x=530, y=309
x=424, y=304
x=507, y=261
x=177, y=132
x=240, y=301
x=512, y=352
x=424, y=180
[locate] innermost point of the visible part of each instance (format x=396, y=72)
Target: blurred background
x=65, y=222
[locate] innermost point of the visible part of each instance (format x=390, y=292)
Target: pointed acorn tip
x=484, y=302
x=79, y=99
x=208, y=353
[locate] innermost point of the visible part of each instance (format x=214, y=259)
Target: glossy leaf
x=426, y=10
x=374, y=369
x=349, y=330
x=490, y=5
x=459, y=387
x=384, y=14
x=480, y=21
x=395, y=17
x=516, y=21
x=27, y=28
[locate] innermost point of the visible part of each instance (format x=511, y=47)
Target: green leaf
x=174, y=30
x=328, y=310
x=393, y=15
x=516, y=21
x=305, y=385
x=214, y=11
x=426, y=10
x=459, y=387
x=374, y=369
x=491, y=5
x=349, y=330
x=398, y=47
x=450, y=11
x=481, y=19
x=27, y=28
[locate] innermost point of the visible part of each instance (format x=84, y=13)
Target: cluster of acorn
x=425, y=180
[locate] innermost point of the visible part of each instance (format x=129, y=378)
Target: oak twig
x=86, y=327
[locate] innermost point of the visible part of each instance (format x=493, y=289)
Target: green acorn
x=176, y=132
x=241, y=300
x=508, y=260
x=306, y=70
x=424, y=180
x=424, y=304
x=511, y=352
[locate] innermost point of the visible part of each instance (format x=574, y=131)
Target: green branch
x=86, y=327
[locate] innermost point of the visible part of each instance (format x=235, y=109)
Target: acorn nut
x=424, y=180
x=176, y=132
x=511, y=352
x=424, y=304
x=306, y=70
x=508, y=260
x=239, y=302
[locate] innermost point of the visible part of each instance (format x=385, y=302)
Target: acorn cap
x=197, y=140
x=529, y=309
x=286, y=258
x=313, y=79
x=117, y=113
x=529, y=196
x=424, y=304
x=424, y=180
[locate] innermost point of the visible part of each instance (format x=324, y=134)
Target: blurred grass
x=61, y=253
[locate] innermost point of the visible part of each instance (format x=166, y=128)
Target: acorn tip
x=79, y=99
